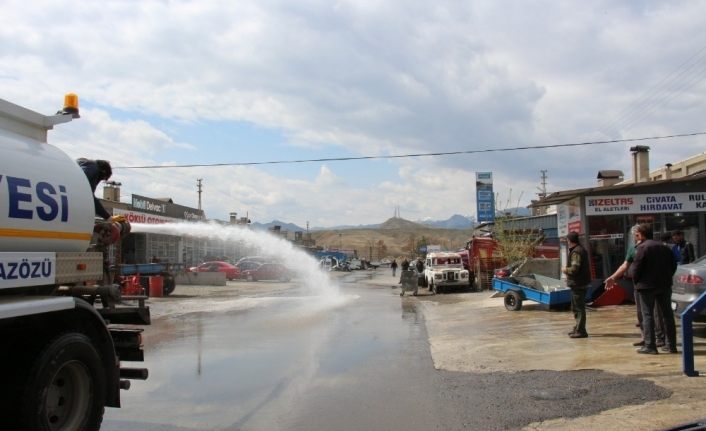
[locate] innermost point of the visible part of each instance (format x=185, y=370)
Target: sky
x=169, y=83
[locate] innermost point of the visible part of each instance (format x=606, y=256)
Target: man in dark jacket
x=652, y=272
x=405, y=264
x=577, y=278
x=96, y=171
x=684, y=247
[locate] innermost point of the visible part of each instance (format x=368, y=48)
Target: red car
x=231, y=271
x=267, y=271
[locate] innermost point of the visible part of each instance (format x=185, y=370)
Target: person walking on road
x=577, y=278
x=404, y=267
x=653, y=268
x=420, y=271
x=405, y=264
x=393, y=265
x=420, y=265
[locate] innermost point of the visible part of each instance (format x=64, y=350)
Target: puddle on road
x=410, y=310
x=217, y=363
x=220, y=363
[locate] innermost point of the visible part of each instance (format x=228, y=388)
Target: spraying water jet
x=302, y=264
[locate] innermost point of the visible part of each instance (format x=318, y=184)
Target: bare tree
x=514, y=243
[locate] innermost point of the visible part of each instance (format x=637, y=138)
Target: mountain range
x=454, y=222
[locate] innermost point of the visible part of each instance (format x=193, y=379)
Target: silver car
x=689, y=282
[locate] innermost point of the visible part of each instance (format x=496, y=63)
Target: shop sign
x=140, y=217
x=569, y=217
x=149, y=205
x=485, y=198
x=646, y=204
x=168, y=209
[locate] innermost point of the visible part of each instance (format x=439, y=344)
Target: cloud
x=361, y=78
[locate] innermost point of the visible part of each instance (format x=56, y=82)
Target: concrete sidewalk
x=472, y=332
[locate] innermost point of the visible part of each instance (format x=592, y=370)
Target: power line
x=401, y=156
x=675, y=91
x=659, y=93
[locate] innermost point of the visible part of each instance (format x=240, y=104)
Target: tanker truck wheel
x=65, y=388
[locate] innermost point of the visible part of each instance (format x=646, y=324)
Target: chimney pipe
x=668, y=171
x=111, y=191
x=640, y=163
x=609, y=177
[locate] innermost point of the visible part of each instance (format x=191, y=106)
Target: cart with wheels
x=408, y=280
x=514, y=294
x=143, y=271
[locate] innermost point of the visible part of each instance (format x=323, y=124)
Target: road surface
x=267, y=356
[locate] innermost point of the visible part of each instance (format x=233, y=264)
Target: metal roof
x=565, y=195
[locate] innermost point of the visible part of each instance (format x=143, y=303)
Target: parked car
x=242, y=265
x=356, y=264
x=268, y=271
x=258, y=259
x=689, y=282
x=328, y=263
x=231, y=271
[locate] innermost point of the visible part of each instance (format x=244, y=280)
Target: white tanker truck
x=62, y=345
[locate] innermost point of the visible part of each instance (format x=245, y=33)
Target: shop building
x=604, y=215
x=141, y=247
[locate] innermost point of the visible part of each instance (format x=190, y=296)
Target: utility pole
x=543, y=184
x=198, y=185
x=542, y=193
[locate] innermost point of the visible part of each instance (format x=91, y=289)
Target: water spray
x=305, y=267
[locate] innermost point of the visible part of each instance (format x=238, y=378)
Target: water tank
x=46, y=203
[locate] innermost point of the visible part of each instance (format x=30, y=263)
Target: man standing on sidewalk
x=624, y=269
x=652, y=272
x=577, y=278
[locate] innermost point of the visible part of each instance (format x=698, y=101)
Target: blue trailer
x=514, y=294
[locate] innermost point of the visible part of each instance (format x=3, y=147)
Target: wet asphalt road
x=269, y=363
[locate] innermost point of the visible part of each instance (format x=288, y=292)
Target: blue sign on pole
x=485, y=199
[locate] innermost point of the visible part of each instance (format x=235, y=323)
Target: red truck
x=482, y=255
